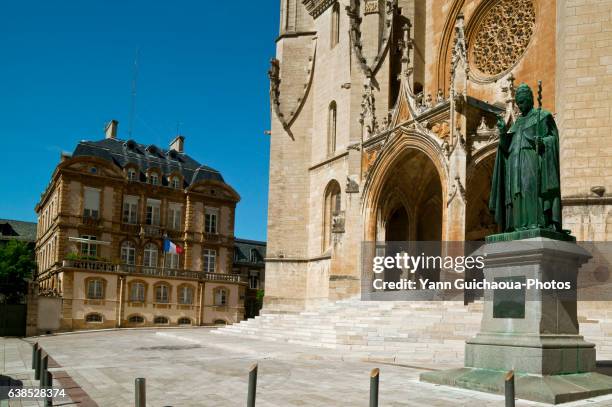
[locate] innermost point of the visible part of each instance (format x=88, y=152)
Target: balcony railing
x=211, y=237
x=131, y=228
x=153, y=230
x=150, y=271
x=90, y=265
x=174, y=233
x=90, y=220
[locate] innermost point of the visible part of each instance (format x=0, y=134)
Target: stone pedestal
x=532, y=331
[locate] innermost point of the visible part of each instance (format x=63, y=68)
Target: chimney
x=177, y=144
x=110, y=130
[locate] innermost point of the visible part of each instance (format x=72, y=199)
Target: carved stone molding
x=316, y=7
x=338, y=222
x=368, y=111
x=457, y=189
x=501, y=37
x=287, y=118
x=354, y=14
x=352, y=184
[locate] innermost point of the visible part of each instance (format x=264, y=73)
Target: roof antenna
x=134, y=82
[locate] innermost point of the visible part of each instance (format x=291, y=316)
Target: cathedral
x=384, y=126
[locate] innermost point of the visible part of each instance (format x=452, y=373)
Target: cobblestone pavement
x=193, y=367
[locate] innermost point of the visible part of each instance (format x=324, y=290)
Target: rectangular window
x=131, y=174
x=153, y=212
x=95, y=289
x=91, y=203
x=172, y=261
x=161, y=294
x=137, y=293
x=209, y=260
x=174, y=216
x=89, y=249
x=130, y=209
x=210, y=220
x=150, y=255
x=186, y=295
x=253, y=282
x=221, y=297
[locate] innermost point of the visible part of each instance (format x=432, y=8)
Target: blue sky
x=67, y=68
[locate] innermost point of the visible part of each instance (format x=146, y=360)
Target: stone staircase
x=399, y=332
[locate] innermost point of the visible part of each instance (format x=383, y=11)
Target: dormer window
x=131, y=175
x=175, y=183
x=253, y=256
x=153, y=179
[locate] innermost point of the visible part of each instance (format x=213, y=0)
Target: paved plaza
x=194, y=367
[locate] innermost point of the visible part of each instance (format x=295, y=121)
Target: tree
x=16, y=266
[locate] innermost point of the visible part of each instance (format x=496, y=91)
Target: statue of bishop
x=525, y=190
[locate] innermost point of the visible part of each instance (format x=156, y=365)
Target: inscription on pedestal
x=509, y=303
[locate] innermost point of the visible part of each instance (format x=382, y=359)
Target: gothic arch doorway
x=410, y=200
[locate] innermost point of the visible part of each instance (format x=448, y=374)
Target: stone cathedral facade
x=383, y=126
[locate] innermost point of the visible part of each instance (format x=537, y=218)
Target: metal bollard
x=38, y=363
x=34, y=347
x=141, y=393
x=49, y=385
x=374, y=379
x=252, y=386
x=44, y=367
x=509, y=389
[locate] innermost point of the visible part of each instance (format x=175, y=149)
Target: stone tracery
x=503, y=36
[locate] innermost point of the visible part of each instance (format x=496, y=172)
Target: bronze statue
x=525, y=190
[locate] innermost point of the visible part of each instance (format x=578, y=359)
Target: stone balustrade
x=150, y=271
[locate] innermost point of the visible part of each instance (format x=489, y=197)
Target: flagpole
x=164, y=257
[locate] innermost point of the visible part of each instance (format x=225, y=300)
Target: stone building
x=249, y=263
x=383, y=126
x=102, y=222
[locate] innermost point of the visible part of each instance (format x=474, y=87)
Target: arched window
x=128, y=252
x=93, y=318
x=162, y=293
x=150, y=255
x=136, y=319
x=335, y=25
x=332, y=208
x=175, y=182
x=184, y=321
x=161, y=320
x=331, y=129
x=185, y=295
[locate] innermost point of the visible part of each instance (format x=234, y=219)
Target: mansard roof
x=125, y=152
x=242, y=251
x=18, y=230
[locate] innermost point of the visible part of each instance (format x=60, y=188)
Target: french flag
x=170, y=247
